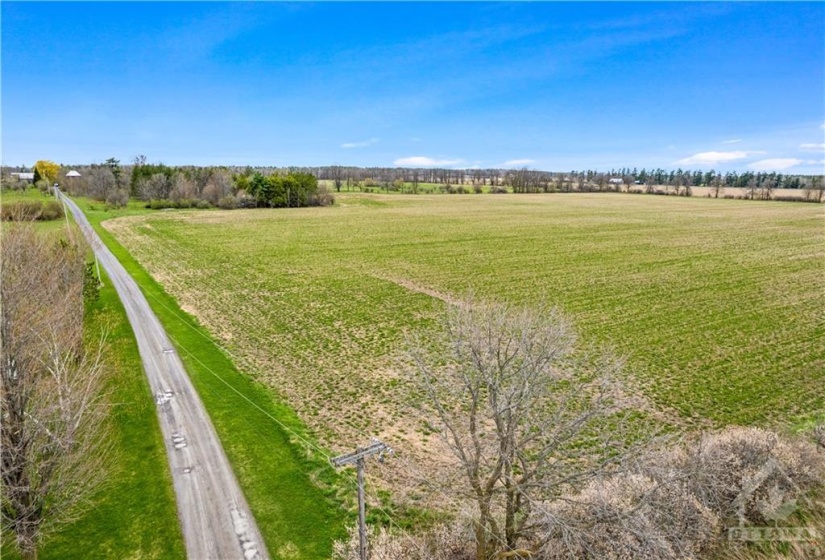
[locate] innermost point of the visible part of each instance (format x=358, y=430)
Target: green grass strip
x=288, y=486
x=134, y=514
x=135, y=517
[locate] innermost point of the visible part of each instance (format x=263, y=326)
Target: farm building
x=24, y=176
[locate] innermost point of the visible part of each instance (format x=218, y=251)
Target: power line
x=99, y=244
x=358, y=459
x=411, y=466
x=286, y=428
x=304, y=440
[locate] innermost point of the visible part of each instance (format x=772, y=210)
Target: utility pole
x=357, y=458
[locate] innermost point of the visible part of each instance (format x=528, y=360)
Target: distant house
x=24, y=176
x=72, y=173
x=615, y=181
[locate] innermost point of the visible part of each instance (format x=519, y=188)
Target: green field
x=290, y=489
x=716, y=304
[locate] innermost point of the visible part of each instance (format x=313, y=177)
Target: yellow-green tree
x=45, y=169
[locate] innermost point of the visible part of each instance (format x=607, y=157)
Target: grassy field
x=134, y=515
x=717, y=304
x=289, y=488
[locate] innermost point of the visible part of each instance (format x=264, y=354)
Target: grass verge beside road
x=265, y=442
x=134, y=514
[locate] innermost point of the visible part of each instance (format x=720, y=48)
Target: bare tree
x=53, y=429
x=101, y=182
x=183, y=188
x=818, y=186
x=627, y=181
x=337, y=177
x=751, y=187
x=717, y=185
x=158, y=186
x=767, y=187
x=512, y=400
x=218, y=186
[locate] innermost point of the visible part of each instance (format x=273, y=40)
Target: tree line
x=268, y=186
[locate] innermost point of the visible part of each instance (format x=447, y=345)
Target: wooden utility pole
x=357, y=459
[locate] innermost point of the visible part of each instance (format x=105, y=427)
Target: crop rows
x=717, y=304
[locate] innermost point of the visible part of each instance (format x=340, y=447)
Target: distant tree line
x=758, y=185
x=163, y=186
x=160, y=185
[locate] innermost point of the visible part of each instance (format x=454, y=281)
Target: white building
x=24, y=176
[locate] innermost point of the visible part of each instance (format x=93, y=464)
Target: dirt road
x=213, y=513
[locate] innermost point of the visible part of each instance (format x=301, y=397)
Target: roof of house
x=29, y=176
x=72, y=173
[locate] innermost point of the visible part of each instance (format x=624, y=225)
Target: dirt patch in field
x=418, y=288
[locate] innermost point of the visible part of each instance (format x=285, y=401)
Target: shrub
x=31, y=210
x=203, y=204
x=478, y=189
x=228, y=202
x=52, y=210
x=721, y=467
x=444, y=542
x=629, y=516
x=23, y=211
x=322, y=197
x=117, y=198
x=495, y=189
x=675, y=502
x=159, y=204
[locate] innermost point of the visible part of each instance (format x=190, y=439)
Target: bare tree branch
x=54, y=436
x=519, y=408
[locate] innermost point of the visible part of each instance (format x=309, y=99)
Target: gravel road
x=213, y=512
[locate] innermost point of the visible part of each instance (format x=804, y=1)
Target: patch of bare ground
x=413, y=286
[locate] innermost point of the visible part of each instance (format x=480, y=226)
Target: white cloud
x=423, y=161
x=774, y=164
x=812, y=147
x=518, y=162
x=732, y=141
x=713, y=158
x=362, y=144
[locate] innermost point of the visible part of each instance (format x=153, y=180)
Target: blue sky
x=554, y=86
